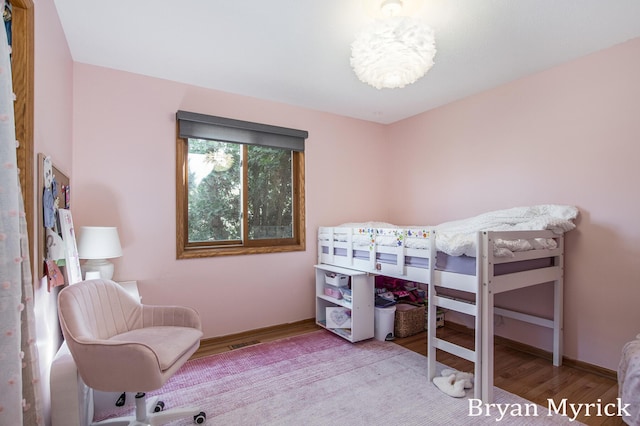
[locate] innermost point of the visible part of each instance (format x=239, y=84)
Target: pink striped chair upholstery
x=121, y=345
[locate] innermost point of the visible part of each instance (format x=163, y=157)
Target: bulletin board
x=62, y=201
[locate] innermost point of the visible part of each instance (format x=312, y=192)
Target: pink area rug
x=321, y=379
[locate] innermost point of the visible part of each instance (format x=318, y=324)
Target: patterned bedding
x=458, y=238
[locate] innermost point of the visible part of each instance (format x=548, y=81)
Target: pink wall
x=568, y=135
x=124, y=175
x=561, y=136
x=52, y=87
x=52, y=136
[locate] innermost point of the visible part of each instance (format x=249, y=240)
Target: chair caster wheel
x=200, y=418
x=159, y=407
x=121, y=400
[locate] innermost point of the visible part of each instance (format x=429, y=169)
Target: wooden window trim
x=22, y=69
x=184, y=252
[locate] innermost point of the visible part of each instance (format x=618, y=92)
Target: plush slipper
x=450, y=386
x=460, y=375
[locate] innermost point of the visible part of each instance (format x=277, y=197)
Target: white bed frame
x=343, y=238
x=483, y=286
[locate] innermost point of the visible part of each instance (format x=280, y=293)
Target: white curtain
x=20, y=403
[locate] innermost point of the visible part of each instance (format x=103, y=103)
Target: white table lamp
x=97, y=244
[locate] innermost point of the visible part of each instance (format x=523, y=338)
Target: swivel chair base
x=150, y=412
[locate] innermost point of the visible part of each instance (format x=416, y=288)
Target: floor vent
x=243, y=344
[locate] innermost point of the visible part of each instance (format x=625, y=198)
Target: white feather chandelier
x=393, y=52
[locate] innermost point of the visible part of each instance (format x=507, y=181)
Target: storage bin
x=439, y=319
x=409, y=320
x=346, y=293
x=383, y=323
x=338, y=317
x=337, y=280
x=332, y=291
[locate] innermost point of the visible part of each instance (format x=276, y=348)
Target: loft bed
x=477, y=257
x=377, y=247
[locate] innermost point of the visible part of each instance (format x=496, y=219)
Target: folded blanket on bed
x=457, y=238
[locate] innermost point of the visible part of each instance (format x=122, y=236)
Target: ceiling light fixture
x=393, y=52
x=391, y=7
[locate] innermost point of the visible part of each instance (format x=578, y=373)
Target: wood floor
x=528, y=375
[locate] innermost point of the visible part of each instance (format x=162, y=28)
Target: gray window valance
x=201, y=126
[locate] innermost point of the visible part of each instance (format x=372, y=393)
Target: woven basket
x=409, y=320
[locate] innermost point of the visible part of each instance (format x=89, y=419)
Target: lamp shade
x=99, y=242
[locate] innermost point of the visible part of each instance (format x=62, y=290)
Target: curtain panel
x=19, y=376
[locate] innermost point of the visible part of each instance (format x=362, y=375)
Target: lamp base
x=102, y=266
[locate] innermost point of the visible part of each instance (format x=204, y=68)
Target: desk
x=72, y=402
x=131, y=287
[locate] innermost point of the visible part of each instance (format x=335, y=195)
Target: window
x=240, y=187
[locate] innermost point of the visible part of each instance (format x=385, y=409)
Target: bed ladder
x=474, y=309
x=484, y=285
x=491, y=286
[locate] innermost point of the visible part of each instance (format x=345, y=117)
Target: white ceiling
x=297, y=51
